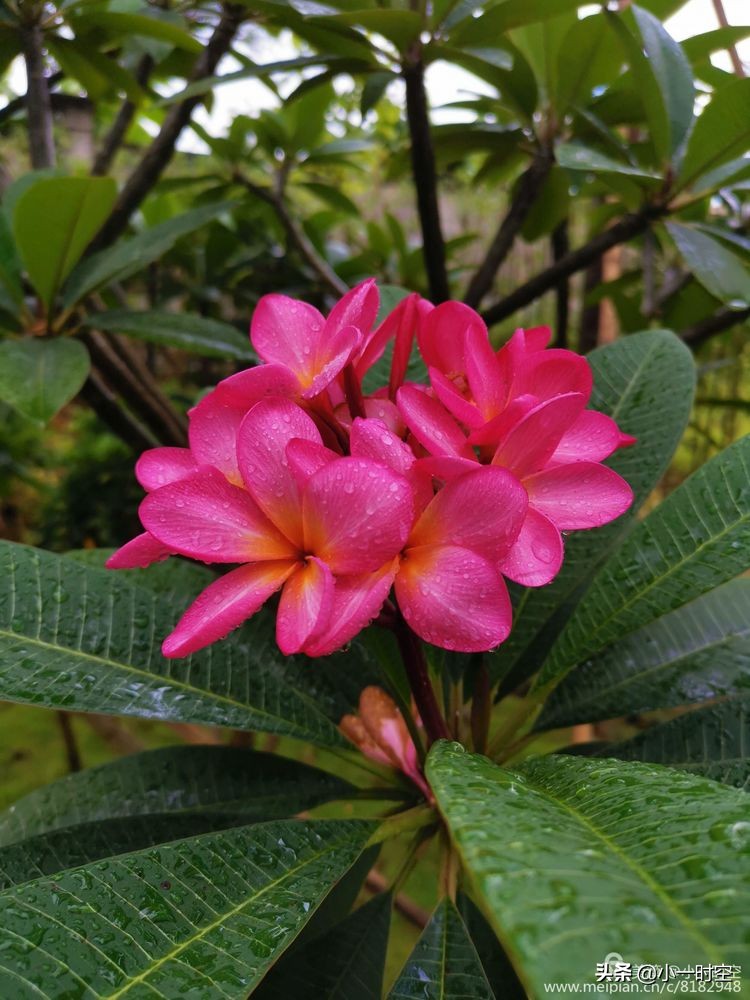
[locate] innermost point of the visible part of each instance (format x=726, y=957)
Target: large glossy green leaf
x=38, y=377
x=131, y=255
x=173, y=578
x=571, y=859
x=444, y=964
x=86, y=639
x=695, y=540
x=345, y=963
x=196, y=334
x=721, y=132
x=576, y=156
x=719, y=270
x=202, y=917
x=54, y=220
x=577, y=77
x=182, y=782
x=699, y=651
x=646, y=382
x=713, y=742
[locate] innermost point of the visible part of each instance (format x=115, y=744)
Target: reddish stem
x=419, y=681
x=353, y=391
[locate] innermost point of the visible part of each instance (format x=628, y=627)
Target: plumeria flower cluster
x=420, y=498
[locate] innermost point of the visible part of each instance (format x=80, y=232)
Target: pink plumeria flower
x=380, y=732
x=324, y=530
x=449, y=587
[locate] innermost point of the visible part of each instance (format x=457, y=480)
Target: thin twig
x=415, y=914
x=704, y=329
x=524, y=197
x=630, y=225
x=296, y=233
x=737, y=64
x=120, y=421
x=116, y=134
x=425, y=177
x=161, y=150
x=419, y=681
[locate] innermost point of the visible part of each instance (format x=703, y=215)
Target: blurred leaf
x=718, y=40
x=10, y=266
x=578, y=76
x=54, y=220
x=597, y=856
x=131, y=255
x=125, y=24
x=90, y=642
x=576, y=156
x=694, y=653
x=721, y=132
x=345, y=963
x=163, y=918
x=38, y=377
x=713, y=742
x=501, y=17
x=444, y=963
x=180, y=781
x=400, y=27
x=720, y=271
x=208, y=84
x=306, y=116
x=196, y=334
x=693, y=541
x=333, y=196
x=645, y=382
x=98, y=74
x=373, y=89
x=550, y=206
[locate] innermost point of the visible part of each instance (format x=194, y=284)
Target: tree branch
x=425, y=178
x=560, y=243
x=120, y=421
x=704, y=329
x=630, y=225
x=114, y=137
x=161, y=150
x=296, y=234
x=37, y=100
x=524, y=197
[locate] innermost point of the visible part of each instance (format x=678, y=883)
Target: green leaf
x=208, y=84
x=705, y=44
x=334, y=197
x=88, y=640
x=138, y=24
x=645, y=382
x=550, y=207
x=576, y=156
x=183, y=782
x=444, y=964
x=10, y=266
x=174, y=578
x=720, y=133
x=373, y=89
x=577, y=77
x=595, y=857
x=131, y=255
x=98, y=74
x=54, y=221
x=713, y=742
x=38, y=377
x=400, y=27
x=501, y=17
x=697, y=652
x=695, y=539
x=352, y=965
x=196, y=334
x=721, y=272
x=205, y=916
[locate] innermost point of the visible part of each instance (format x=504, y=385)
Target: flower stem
x=420, y=684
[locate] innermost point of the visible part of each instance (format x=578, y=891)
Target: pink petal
x=581, y=495
x=139, y=552
x=446, y=467
x=431, y=424
x=454, y=598
x=248, y=387
x=372, y=439
x=496, y=429
x=484, y=373
x=537, y=554
x=287, y=332
x=207, y=518
x=377, y=408
x=332, y=357
x=550, y=373
x=592, y=437
x=224, y=605
x=359, y=307
x=482, y=510
x=261, y=454
x=305, y=606
x=159, y=466
x=213, y=436
x=357, y=515
x=531, y=443
x=457, y=404
x=357, y=599
x=536, y=338
x=306, y=457
x=442, y=336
